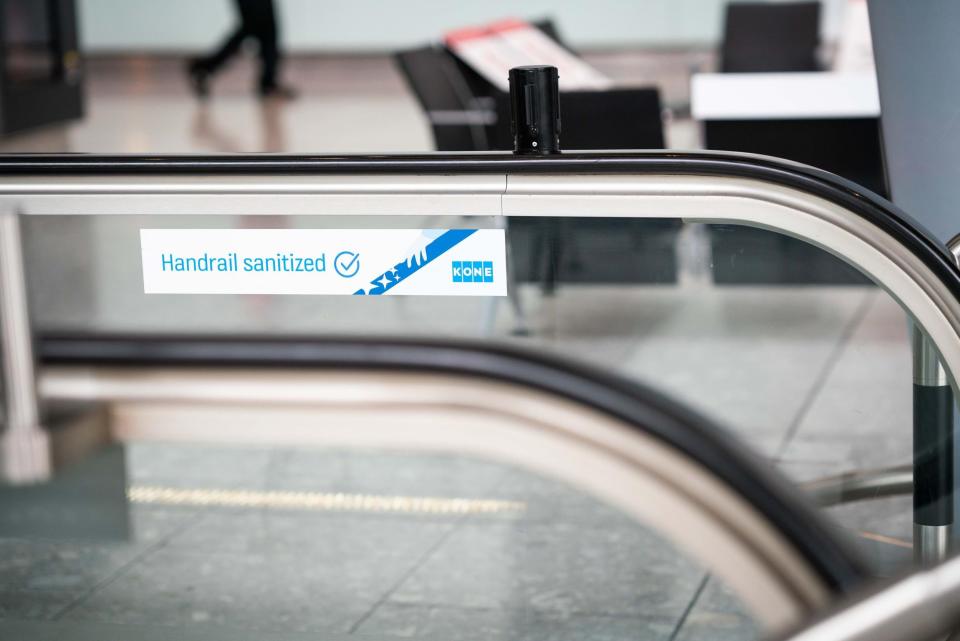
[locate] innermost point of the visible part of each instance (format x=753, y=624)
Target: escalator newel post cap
x=535, y=110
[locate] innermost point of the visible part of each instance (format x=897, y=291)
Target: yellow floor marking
x=320, y=501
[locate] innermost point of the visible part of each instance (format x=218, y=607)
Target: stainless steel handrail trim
x=760, y=204
x=703, y=198
x=269, y=184
x=382, y=195
x=860, y=485
x=925, y=605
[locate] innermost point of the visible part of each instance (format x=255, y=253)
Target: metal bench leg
x=24, y=445
x=932, y=452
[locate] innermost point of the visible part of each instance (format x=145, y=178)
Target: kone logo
x=473, y=271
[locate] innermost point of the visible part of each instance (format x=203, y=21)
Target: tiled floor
x=563, y=569
x=814, y=378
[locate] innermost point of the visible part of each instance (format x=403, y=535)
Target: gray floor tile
x=196, y=465
x=153, y=523
x=862, y=416
x=385, y=473
x=554, y=502
x=250, y=591
x=38, y=580
x=564, y=569
x=41, y=577
x=431, y=622
x=58, y=566
x=744, y=360
x=362, y=544
x=805, y=470
x=718, y=615
x=35, y=604
x=74, y=630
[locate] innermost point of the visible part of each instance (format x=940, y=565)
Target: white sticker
x=373, y=262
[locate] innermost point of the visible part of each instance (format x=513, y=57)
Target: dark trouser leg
x=226, y=51
x=269, y=59
x=260, y=21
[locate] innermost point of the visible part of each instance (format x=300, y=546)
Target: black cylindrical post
x=535, y=110
x=932, y=452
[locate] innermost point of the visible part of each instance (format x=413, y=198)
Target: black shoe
x=199, y=79
x=284, y=92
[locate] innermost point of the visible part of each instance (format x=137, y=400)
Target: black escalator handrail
x=671, y=422
x=849, y=195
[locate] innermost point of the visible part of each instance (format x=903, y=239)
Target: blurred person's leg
x=269, y=56
x=261, y=17
x=200, y=69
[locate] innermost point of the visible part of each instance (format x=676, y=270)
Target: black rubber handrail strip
x=857, y=199
x=637, y=405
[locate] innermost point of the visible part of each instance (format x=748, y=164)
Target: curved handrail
x=842, y=217
x=853, y=197
x=672, y=423
x=921, y=605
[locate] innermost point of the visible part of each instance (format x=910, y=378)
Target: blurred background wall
x=346, y=25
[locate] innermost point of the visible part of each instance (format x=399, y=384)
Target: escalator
x=549, y=465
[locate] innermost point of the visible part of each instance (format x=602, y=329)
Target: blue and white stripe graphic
x=412, y=264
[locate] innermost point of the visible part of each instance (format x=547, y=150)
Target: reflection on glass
x=800, y=356
x=208, y=133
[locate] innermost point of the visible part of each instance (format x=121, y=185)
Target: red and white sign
x=494, y=49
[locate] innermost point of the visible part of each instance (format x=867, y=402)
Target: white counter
x=781, y=96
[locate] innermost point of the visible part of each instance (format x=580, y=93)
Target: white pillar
x=24, y=445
